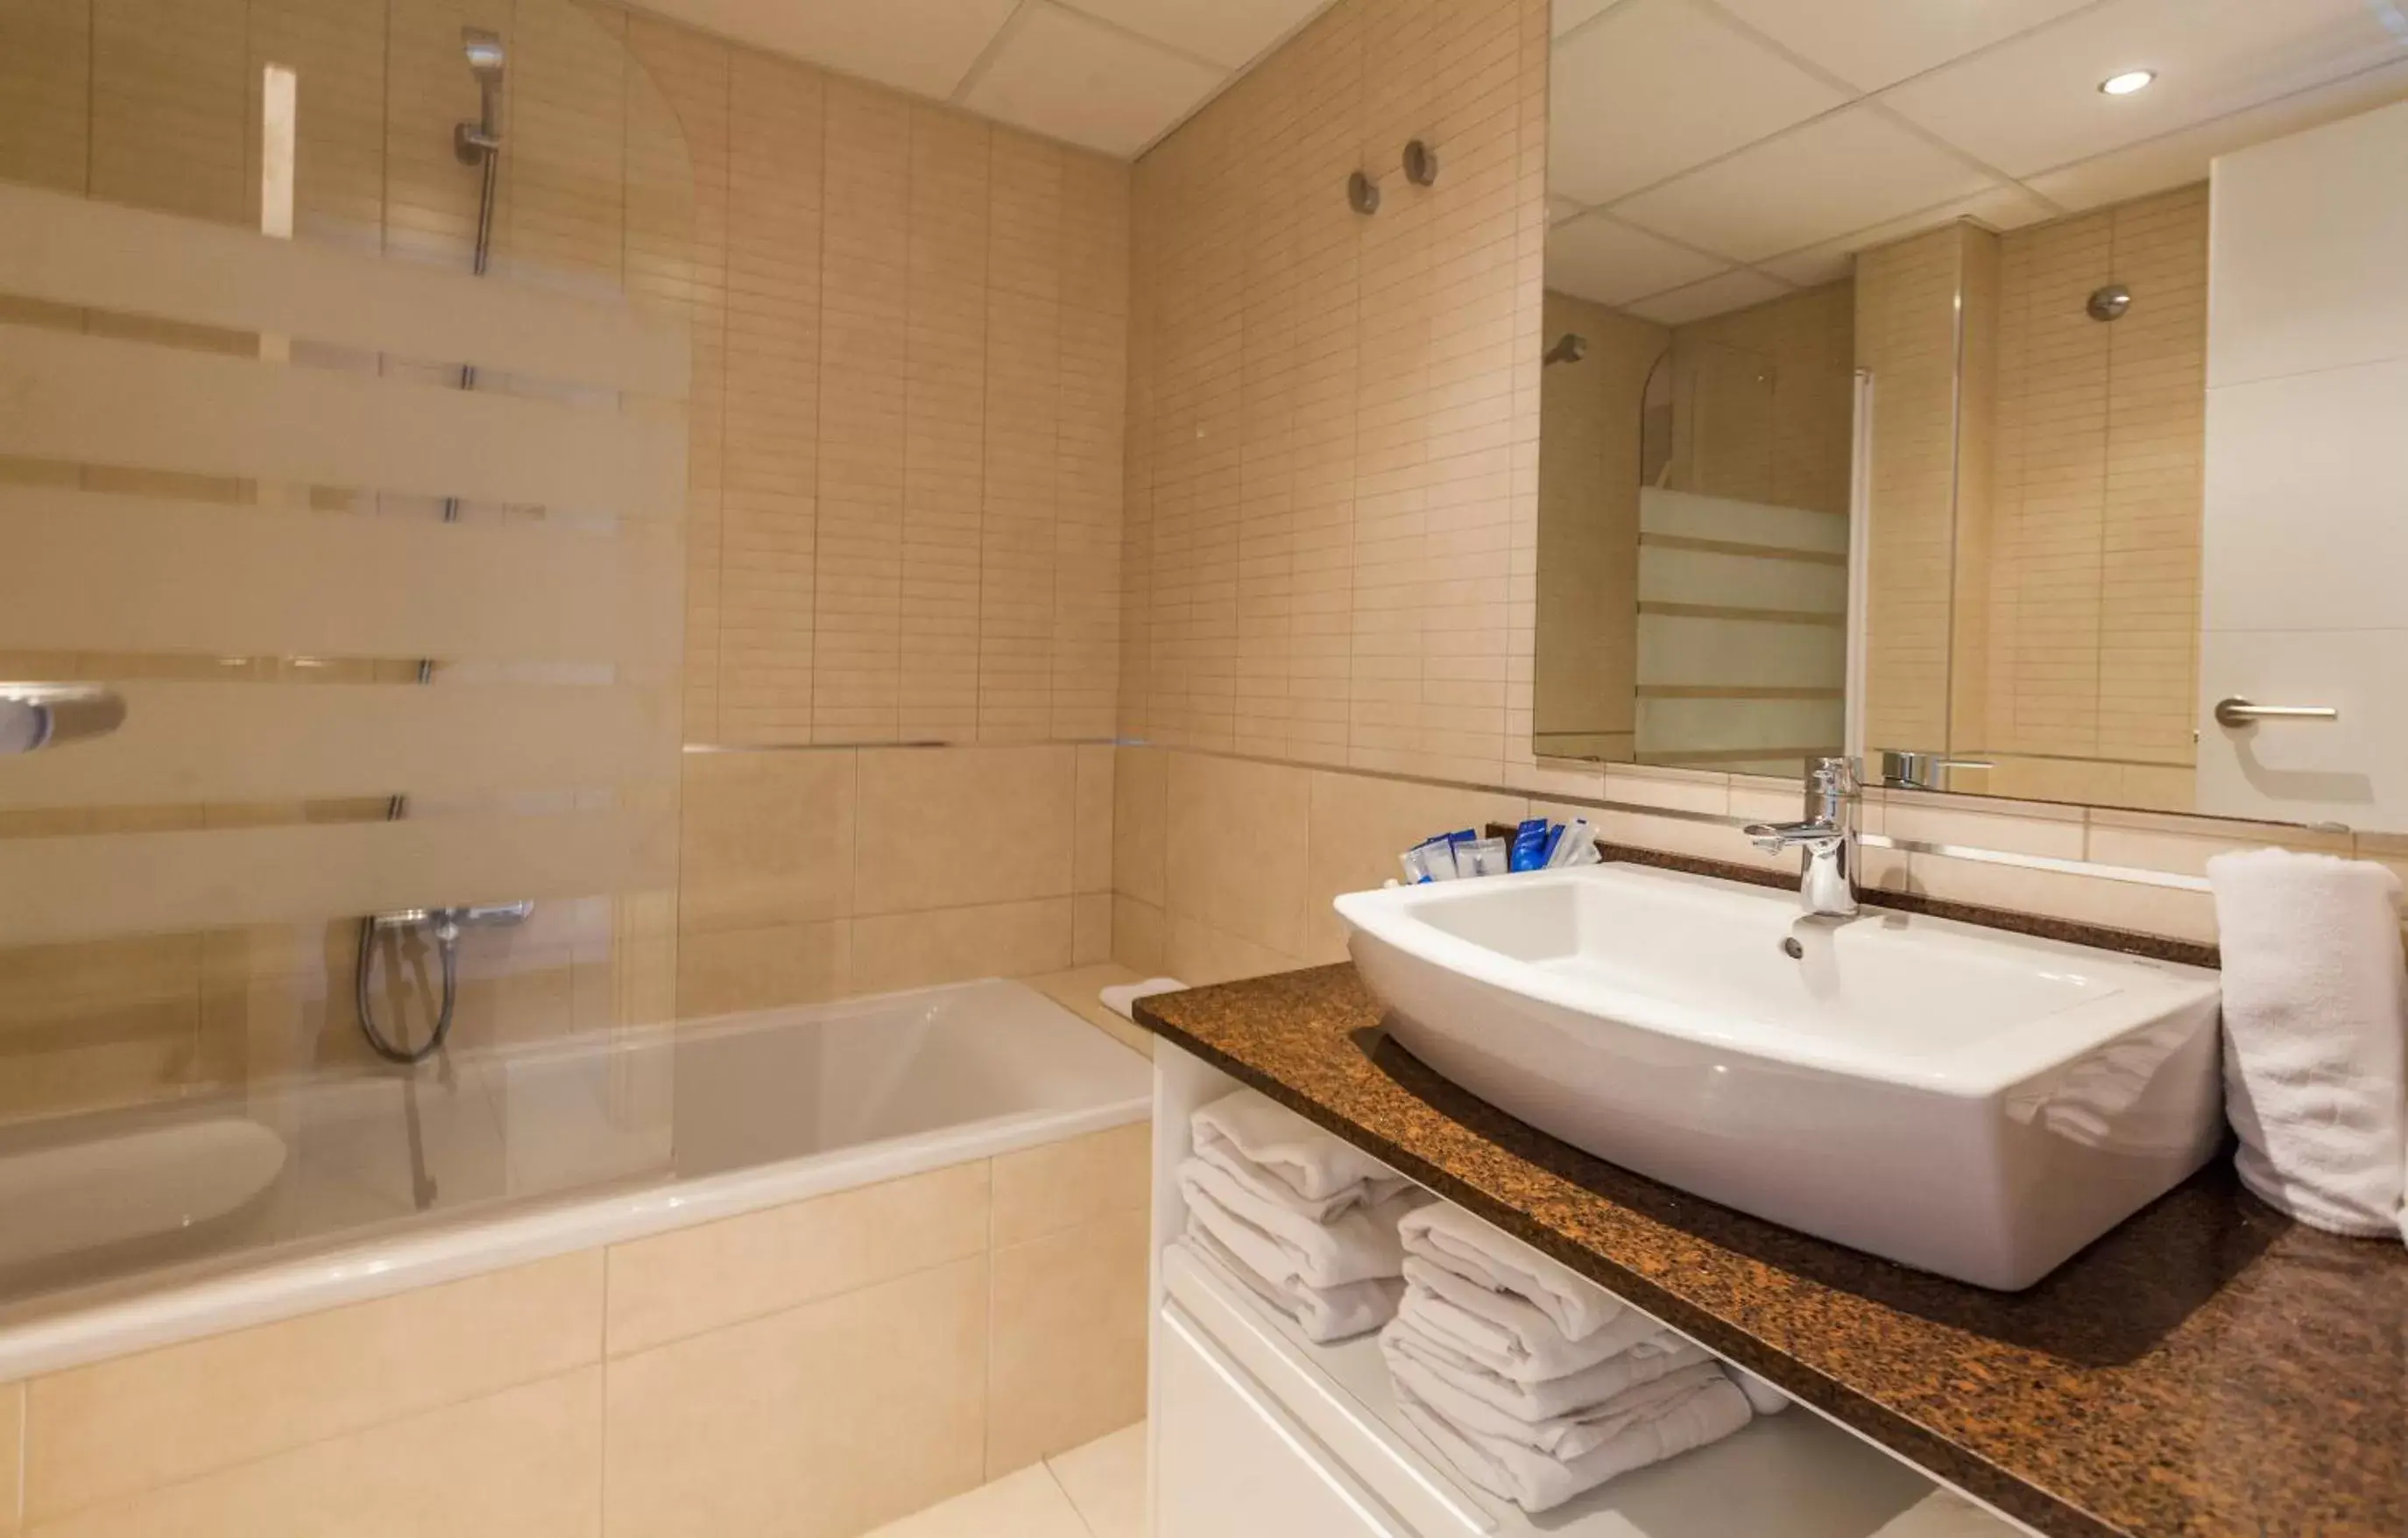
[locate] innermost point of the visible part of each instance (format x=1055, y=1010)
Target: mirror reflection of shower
x=478, y=142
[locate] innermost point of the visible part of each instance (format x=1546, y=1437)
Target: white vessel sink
x=1966, y=1100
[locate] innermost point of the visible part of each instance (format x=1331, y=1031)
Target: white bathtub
x=399, y=1182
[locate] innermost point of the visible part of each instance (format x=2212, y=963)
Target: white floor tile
x=1027, y=1504
x=1106, y=1479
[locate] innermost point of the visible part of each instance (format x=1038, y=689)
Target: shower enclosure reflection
x=1693, y=537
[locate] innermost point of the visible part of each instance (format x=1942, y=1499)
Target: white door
x=1229, y=1463
x=2304, y=597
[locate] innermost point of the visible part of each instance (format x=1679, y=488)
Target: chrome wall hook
x=1421, y=164
x=1362, y=193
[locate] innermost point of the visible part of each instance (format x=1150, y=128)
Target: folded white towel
x=1505, y=1334
x=1660, y=1353
x=1283, y=1144
x=1944, y=1514
x=1323, y=1314
x=1354, y=1246
x=1762, y=1398
x=1121, y=997
x=1465, y=1245
x=1706, y=1413
x=1563, y=1437
x=1222, y=1154
x=2316, y=1035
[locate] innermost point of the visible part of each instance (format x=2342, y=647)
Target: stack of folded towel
x=1303, y=1218
x=1535, y=1383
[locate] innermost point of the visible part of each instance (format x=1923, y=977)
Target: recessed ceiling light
x=2128, y=83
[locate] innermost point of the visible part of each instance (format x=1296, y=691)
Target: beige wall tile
x=767, y=838
x=998, y=940
x=1140, y=935
x=1141, y=820
x=1028, y=1504
x=2121, y=905
x=2015, y=827
x=2184, y=845
x=1196, y=954
x=526, y=1462
x=691, y=1280
x=1093, y=862
x=818, y=1422
x=1091, y=928
x=1068, y=1360
x=12, y=1448
x=1361, y=823
x=142, y=1421
x=724, y=973
x=1061, y=1185
x=954, y=826
x=1237, y=848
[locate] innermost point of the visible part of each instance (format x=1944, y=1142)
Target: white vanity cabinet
x=2306, y=499
x=1257, y=1433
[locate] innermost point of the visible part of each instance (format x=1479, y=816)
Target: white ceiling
x=1705, y=154
x=1112, y=75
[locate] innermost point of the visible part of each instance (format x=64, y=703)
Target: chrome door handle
x=2233, y=710
x=43, y=715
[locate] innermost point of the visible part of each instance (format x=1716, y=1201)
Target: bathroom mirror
x=1875, y=394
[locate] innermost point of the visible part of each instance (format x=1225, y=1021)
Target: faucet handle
x=1834, y=777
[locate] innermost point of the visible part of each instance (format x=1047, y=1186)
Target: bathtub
x=287, y=1202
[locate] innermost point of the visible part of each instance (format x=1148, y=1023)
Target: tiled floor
x=1095, y=1492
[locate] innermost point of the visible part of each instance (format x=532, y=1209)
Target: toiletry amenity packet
x=1576, y=845
x=1488, y=856
x=1529, y=852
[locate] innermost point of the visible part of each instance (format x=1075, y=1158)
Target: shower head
x=481, y=139
x=1571, y=347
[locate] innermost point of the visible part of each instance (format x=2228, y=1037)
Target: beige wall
x=813, y=874
x=2035, y=553
x=1333, y=444
x=1587, y=623
x=2093, y=569
x=1771, y=417
x=811, y=1369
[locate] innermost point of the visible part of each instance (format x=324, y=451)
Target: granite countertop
x=2208, y=1368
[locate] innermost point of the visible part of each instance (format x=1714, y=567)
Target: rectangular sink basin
x=1966, y=1100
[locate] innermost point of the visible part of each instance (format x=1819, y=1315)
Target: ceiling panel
x=1229, y=33
x=1065, y=74
x=1731, y=291
x=2033, y=104
x=1659, y=86
x=2177, y=158
x=923, y=46
x=1600, y=258
x=2002, y=207
x=1874, y=43
x=1841, y=173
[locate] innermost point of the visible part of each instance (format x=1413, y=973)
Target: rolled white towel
x=1283, y=1144
x=1323, y=1314
x=1452, y=1238
x=1944, y=1514
x=1355, y=1246
x=1648, y=1359
x=1121, y=997
x=1504, y=1332
x=1565, y=1437
x=1222, y=1154
x=2316, y=1034
x=1708, y=1412
x=1762, y=1398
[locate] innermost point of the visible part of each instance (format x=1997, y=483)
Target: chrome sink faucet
x=1828, y=883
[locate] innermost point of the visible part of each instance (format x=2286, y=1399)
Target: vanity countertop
x=2209, y=1368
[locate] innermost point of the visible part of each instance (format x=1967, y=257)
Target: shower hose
x=447, y=946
